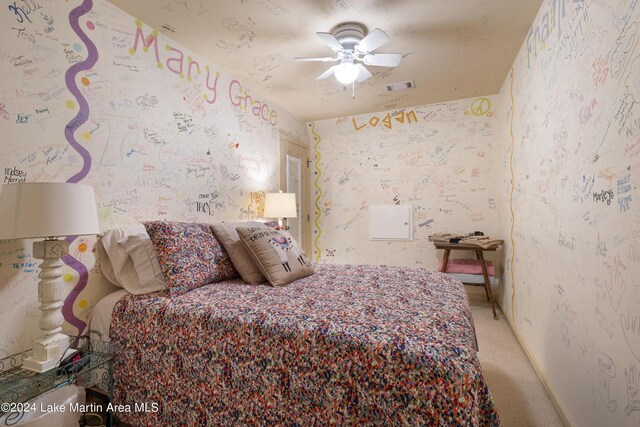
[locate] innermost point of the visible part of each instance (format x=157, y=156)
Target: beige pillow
x=276, y=253
x=227, y=235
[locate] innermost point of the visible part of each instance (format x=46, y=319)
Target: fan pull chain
x=353, y=90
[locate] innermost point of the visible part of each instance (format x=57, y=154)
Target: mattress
x=350, y=345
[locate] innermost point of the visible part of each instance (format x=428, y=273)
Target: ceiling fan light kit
x=347, y=72
x=352, y=45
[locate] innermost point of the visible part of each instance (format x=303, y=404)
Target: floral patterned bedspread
x=350, y=345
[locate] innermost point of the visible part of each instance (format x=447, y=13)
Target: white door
x=294, y=178
x=293, y=181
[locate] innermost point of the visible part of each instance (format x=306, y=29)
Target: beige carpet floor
x=520, y=397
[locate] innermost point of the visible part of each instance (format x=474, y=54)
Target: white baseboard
x=560, y=409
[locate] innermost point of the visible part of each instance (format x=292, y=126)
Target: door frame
x=285, y=142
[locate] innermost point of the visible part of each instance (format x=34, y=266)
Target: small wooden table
x=448, y=247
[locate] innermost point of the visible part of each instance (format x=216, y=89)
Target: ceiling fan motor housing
x=349, y=34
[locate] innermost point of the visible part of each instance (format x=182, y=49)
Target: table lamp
x=48, y=210
x=280, y=205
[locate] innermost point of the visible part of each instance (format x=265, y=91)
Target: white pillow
x=128, y=259
x=105, y=262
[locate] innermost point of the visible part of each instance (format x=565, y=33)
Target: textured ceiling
x=452, y=49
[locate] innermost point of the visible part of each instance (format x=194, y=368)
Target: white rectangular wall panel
x=391, y=222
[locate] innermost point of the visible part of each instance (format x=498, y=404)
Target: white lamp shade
x=347, y=72
x=280, y=205
x=47, y=209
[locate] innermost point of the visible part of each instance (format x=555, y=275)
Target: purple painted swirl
x=81, y=117
x=83, y=279
x=70, y=78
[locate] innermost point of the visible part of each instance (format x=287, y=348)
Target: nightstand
x=448, y=247
x=19, y=386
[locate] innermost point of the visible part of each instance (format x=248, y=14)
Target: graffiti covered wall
x=569, y=192
x=91, y=95
x=438, y=158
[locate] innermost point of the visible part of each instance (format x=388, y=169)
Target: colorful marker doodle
x=193, y=6
x=318, y=191
x=70, y=78
x=241, y=99
x=81, y=117
x=14, y=174
x=176, y=64
x=386, y=121
x=632, y=377
x=23, y=11
x=480, y=106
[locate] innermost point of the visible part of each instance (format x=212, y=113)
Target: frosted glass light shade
x=30, y=210
x=347, y=72
x=280, y=205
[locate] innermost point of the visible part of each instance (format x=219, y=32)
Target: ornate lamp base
x=49, y=349
x=282, y=224
x=47, y=353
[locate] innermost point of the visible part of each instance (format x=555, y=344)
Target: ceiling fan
x=352, y=45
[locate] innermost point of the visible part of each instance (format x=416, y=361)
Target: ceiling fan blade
x=383, y=59
x=364, y=74
x=305, y=59
x=327, y=73
x=331, y=41
x=373, y=40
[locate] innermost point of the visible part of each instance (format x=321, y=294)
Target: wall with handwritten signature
x=89, y=94
x=565, y=142
x=569, y=182
x=439, y=158
x=550, y=164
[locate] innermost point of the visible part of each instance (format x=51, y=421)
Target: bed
x=348, y=345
